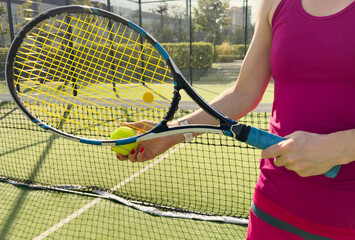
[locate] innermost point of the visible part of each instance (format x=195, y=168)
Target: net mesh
x=55, y=188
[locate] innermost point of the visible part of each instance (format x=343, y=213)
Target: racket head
x=80, y=72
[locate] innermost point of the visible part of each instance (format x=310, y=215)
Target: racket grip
x=262, y=139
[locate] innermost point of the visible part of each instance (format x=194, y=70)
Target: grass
x=212, y=175
x=3, y=87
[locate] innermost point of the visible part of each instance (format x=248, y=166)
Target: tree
x=26, y=12
x=4, y=25
x=83, y=2
x=170, y=26
x=180, y=23
x=211, y=17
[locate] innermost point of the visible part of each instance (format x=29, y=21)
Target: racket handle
x=262, y=139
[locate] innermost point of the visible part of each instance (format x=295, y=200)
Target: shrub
x=228, y=53
x=202, y=54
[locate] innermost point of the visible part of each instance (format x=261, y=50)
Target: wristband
x=188, y=136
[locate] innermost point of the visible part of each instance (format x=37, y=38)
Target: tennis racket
x=80, y=71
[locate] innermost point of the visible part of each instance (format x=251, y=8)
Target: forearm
x=232, y=103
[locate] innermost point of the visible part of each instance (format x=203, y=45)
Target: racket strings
x=85, y=74
x=40, y=90
x=96, y=66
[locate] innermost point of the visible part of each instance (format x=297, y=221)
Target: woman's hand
x=307, y=154
x=149, y=149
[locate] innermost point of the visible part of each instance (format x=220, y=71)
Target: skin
x=305, y=153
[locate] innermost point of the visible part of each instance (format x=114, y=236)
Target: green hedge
x=202, y=54
x=234, y=52
x=3, y=54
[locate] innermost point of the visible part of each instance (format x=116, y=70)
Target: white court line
x=97, y=200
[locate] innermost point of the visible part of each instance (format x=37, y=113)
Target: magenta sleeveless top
x=313, y=65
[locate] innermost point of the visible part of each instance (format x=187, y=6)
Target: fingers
x=136, y=155
x=279, y=152
x=278, y=149
x=272, y=151
x=286, y=155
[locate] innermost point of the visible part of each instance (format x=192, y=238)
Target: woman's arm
x=235, y=102
x=254, y=75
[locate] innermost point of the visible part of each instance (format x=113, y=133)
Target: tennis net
x=53, y=187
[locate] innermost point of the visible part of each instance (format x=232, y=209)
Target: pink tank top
x=313, y=65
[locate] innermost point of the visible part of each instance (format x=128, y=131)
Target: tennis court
x=55, y=187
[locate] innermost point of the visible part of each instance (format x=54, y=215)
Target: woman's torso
x=313, y=66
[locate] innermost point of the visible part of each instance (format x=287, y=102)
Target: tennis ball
x=123, y=132
x=148, y=97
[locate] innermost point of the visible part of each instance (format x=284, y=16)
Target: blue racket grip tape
x=262, y=139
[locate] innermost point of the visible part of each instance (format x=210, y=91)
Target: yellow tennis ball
x=123, y=132
x=148, y=97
